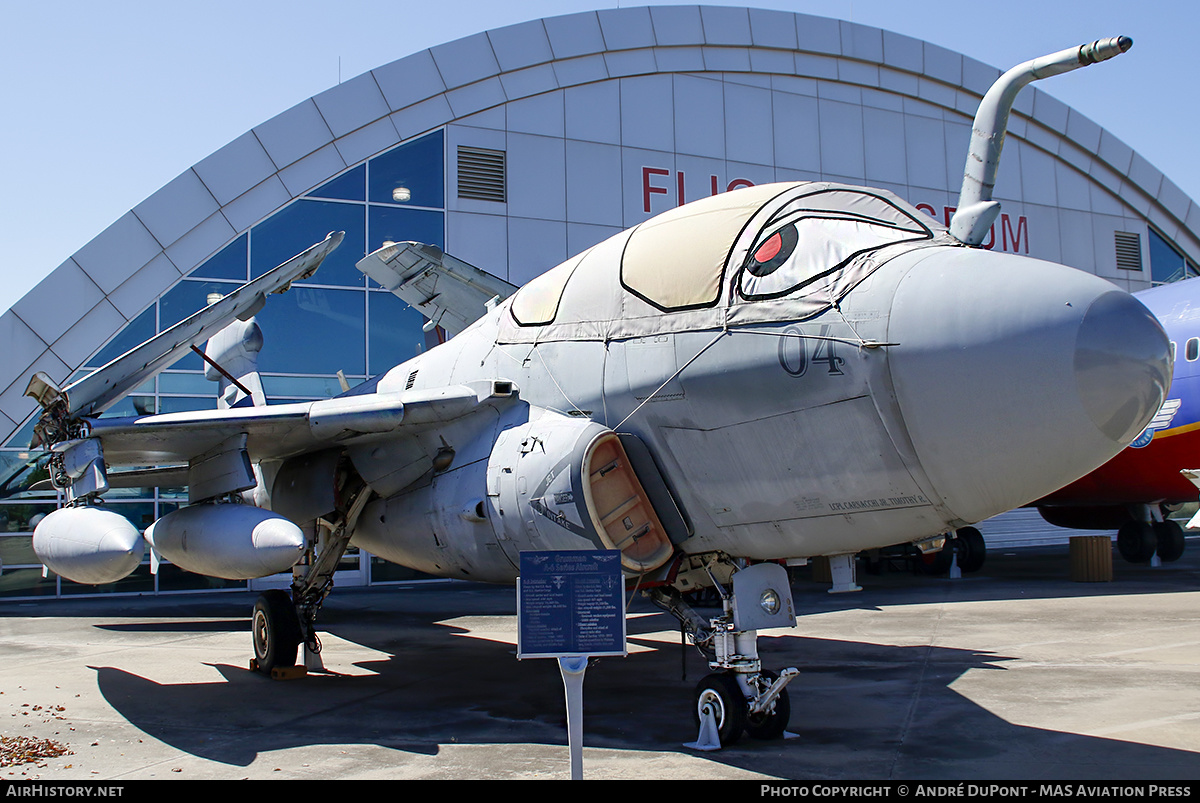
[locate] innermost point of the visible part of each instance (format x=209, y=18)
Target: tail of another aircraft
x=231, y=360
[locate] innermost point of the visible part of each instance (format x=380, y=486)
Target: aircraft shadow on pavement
x=180, y=626
x=859, y=710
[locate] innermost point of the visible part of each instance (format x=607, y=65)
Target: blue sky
x=104, y=103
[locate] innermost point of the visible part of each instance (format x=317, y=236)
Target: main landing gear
x=739, y=696
x=276, y=631
x=1150, y=534
x=279, y=626
x=281, y=622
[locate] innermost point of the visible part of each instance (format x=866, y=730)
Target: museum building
x=514, y=149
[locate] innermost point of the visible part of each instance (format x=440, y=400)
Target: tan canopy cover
x=771, y=252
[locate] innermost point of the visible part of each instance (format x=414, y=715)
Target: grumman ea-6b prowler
x=772, y=374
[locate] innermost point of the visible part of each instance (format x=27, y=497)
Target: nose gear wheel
x=720, y=696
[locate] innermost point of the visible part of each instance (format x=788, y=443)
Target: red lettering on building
x=647, y=189
x=1006, y=228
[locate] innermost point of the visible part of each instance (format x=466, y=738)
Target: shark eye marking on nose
x=813, y=237
x=774, y=252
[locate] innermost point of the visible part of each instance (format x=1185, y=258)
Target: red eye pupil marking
x=769, y=249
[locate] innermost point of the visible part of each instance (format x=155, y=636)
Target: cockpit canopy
x=775, y=250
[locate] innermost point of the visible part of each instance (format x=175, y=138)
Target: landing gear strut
x=739, y=696
x=282, y=622
x=770, y=723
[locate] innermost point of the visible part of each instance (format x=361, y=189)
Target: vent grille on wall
x=480, y=174
x=1129, y=250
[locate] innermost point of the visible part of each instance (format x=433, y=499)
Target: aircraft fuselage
x=790, y=437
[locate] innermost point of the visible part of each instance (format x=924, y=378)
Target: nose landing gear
x=739, y=696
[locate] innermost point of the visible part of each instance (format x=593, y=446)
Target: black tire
x=771, y=725
x=275, y=630
x=1170, y=540
x=1136, y=541
x=723, y=695
x=972, y=551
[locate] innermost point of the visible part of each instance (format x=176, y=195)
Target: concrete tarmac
x=1012, y=673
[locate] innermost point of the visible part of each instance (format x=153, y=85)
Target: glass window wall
x=229, y=263
x=389, y=224
x=136, y=332
x=350, y=186
x=310, y=330
x=411, y=174
x=328, y=323
x=1167, y=264
x=303, y=223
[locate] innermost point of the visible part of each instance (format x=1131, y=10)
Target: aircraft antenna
x=976, y=209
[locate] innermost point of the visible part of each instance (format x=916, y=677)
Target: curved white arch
x=59, y=324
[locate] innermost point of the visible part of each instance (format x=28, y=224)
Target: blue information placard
x=570, y=602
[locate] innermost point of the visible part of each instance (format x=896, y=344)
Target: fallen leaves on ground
x=27, y=749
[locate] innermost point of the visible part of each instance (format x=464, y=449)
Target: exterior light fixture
x=769, y=601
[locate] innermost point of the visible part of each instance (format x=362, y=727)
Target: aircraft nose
x=1015, y=376
x=1122, y=365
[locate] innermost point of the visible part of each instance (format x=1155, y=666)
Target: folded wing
x=448, y=291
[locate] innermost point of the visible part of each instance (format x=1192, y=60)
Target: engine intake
x=549, y=482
